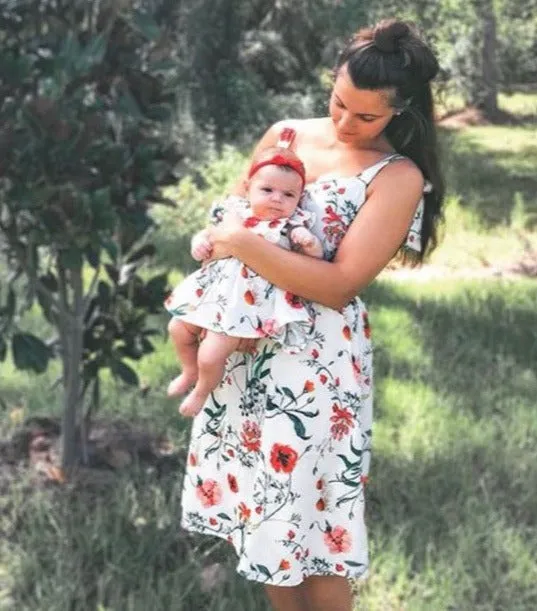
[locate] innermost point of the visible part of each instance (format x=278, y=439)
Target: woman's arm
x=371, y=241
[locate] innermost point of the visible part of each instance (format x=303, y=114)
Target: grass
x=452, y=502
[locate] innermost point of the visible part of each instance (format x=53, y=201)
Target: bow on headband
x=281, y=160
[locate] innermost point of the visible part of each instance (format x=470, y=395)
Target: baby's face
x=274, y=192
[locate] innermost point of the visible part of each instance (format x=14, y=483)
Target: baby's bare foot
x=181, y=384
x=193, y=404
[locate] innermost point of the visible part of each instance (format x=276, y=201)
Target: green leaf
x=93, y=256
x=223, y=516
x=300, y=429
x=92, y=54
x=30, y=353
x=71, y=258
x=353, y=563
x=124, y=372
x=146, y=25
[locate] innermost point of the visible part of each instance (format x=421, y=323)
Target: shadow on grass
x=469, y=504
x=117, y=545
x=487, y=180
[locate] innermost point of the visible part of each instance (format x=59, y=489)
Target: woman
x=280, y=454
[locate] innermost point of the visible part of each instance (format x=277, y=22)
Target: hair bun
x=388, y=34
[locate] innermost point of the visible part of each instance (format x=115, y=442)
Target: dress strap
x=287, y=135
x=369, y=173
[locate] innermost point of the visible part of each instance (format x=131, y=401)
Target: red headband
x=281, y=160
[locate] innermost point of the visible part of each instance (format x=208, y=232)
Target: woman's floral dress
x=227, y=297
x=279, y=456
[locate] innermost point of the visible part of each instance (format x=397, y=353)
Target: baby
x=229, y=300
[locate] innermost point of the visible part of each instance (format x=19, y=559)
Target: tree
x=87, y=93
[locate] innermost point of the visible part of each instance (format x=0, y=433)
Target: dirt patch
x=113, y=446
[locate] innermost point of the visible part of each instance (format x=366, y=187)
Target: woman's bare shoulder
x=303, y=127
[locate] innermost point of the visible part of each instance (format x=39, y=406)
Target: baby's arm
x=201, y=247
x=308, y=243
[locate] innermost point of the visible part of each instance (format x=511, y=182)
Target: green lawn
x=452, y=503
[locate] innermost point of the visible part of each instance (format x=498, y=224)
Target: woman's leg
x=212, y=356
x=184, y=337
x=284, y=598
x=328, y=593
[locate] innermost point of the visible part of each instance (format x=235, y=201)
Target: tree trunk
x=72, y=337
x=486, y=94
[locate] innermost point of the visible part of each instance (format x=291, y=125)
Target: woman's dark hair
x=392, y=55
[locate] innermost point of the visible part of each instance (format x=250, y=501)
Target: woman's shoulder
x=403, y=172
x=302, y=127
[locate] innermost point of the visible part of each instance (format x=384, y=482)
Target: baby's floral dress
x=279, y=456
x=228, y=297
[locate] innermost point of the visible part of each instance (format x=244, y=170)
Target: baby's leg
x=212, y=355
x=185, y=340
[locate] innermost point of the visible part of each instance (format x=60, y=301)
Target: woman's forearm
x=309, y=278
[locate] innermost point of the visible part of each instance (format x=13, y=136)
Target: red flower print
x=315, y=353
x=249, y=297
x=283, y=458
x=343, y=422
x=338, y=540
x=244, y=512
x=293, y=300
x=199, y=292
x=231, y=452
x=291, y=534
x=285, y=565
x=244, y=271
x=364, y=479
x=320, y=484
x=323, y=378
x=297, y=555
x=193, y=461
x=258, y=510
x=331, y=216
x=218, y=316
x=320, y=505
x=339, y=568
x=232, y=482
x=367, y=326
x=347, y=332
x=213, y=521
x=251, y=221
x=209, y=492
x=341, y=190
x=309, y=386
x=336, y=381
x=274, y=223
x=326, y=186
x=251, y=436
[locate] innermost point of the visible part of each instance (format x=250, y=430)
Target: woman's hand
x=223, y=236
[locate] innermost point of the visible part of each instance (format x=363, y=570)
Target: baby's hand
x=201, y=247
x=308, y=243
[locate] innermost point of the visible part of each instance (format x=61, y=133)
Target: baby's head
x=275, y=183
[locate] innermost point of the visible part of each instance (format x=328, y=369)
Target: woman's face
x=359, y=115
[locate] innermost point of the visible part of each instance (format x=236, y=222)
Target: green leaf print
x=347, y=462
x=353, y=563
x=263, y=569
x=289, y=393
x=223, y=516
x=300, y=429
